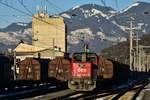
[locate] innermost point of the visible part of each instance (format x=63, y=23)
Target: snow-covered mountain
x=100, y=26
x=103, y=26
x=13, y=34
x=92, y=21
x=15, y=27
x=139, y=12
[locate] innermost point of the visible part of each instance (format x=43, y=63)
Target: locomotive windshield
x=84, y=57
x=91, y=58
x=77, y=57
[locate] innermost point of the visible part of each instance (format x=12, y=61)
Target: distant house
x=23, y=51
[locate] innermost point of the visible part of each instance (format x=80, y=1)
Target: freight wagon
x=28, y=72
x=121, y=71
x=5, y=68
x=6, y=73
x=59, y=68
x=33, y=69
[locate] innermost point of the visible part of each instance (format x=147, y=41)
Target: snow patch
x=27, y=31
x=133, y=5
x=101, y=35
x=146, y=25
x=86, y=11
x=116, y=39
x=92, y=12
x=140, y=24
x=144, y=31
x=78, y=35
x=13, y=38
x=95, y=12
x=7, y=39
x=113, y=12
x=66, y=15
x=22, y=24
x=75, y=7
x=72, y=39
x=122, y=27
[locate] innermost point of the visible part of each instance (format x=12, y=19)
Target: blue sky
x=8, y=15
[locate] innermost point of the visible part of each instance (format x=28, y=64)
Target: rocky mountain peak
x=102, y=26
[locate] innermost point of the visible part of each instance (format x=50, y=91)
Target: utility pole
x=14, y=67
x=137, y=50
x=131, y=45
x=142, y=63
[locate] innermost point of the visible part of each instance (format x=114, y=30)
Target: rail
x=29, y=91
x=129, y=92
x=54, y=95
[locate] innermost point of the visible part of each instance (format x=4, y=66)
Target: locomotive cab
x=83, y=71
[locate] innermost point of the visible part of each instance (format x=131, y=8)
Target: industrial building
x=49, y=32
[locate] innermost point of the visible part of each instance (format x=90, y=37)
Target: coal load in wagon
x=5, y=68
x=121, y=71
x=33, y=69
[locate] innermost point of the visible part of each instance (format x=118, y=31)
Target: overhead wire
x=6, y=2
x=117, y=6
x=30, y=15
x=58, y=27
x=2, y=18
x=103, y=2
x=53, y=25
x=23, y=12
x=115, y=17
x=15, y=16
x=131, y=15
x=21, y=2
x=61, y=9
x=5, y=15
x=117, y=13
x=50, y=3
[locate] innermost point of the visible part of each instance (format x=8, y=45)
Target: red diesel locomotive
x=82, y=76
x=88, y=70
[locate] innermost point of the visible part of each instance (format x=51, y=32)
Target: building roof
x=26, y=48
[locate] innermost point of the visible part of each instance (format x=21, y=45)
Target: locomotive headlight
x=103, y=69
x=90, y=82
x=81, y=65
x=73, y=82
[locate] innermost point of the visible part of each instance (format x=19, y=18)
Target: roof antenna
x=38, y=9
x=117, y=7
x=103, y=2
x=42, y=8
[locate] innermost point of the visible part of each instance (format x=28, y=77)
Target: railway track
x=98, y=93
x=51, y=92
x=129, y=92
x=52, y=96
x=25, y=92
